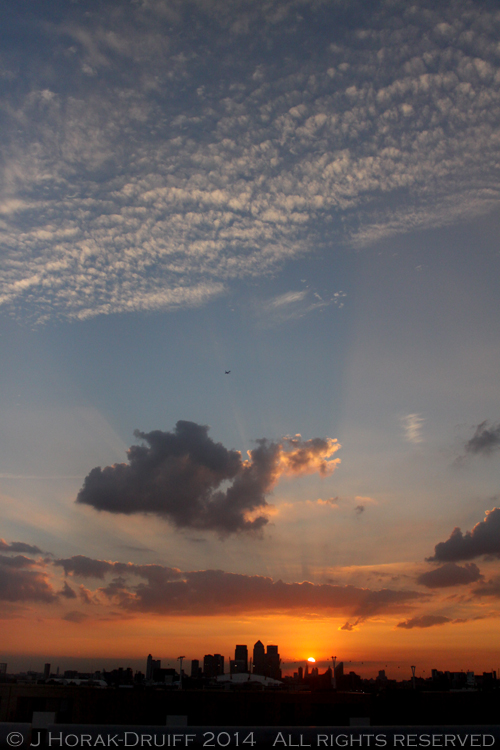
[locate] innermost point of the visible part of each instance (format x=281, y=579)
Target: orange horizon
x=365, y=650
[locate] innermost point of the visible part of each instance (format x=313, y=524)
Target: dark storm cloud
x=484, y=539
x=486, y=439
x=29, y=549
x=169, y=591
x=450, y=574
x=425, y=621
x=23, y=580
x=177, y=475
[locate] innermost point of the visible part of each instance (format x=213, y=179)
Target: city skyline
x=154, y=670
x=249, y=330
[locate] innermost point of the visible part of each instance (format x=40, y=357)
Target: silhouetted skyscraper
x=259, y=658
x=273, y=662
x=213, y=665
x=209, y=666
x=46, y=672
x=151, y=665
x=240, y=663
x=195, y=668
x=219, y=664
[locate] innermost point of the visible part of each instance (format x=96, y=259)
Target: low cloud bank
x=28, y=549
x=450, y=574
x=152, y=588
x=425, y=621
x=22, y=580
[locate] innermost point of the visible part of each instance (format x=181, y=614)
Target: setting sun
x=311, y=658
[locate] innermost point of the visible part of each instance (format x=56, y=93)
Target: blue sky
x=303, y=193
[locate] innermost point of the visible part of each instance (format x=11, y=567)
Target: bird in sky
x=227, y=372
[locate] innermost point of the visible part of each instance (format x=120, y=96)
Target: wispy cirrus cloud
x=135, y=180
x=412, y=426
x=295, y=304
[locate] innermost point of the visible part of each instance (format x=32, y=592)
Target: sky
x=249, y=332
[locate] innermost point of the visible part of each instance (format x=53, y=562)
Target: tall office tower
x=209, y=666
x=195, y=668
x=46, y=672
x=3, y=668
x=151, y=665
x=219, y=664
x=273, y=662
x=259, y=658
x=241, y=656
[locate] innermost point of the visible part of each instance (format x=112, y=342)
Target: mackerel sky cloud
x=163, y=164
